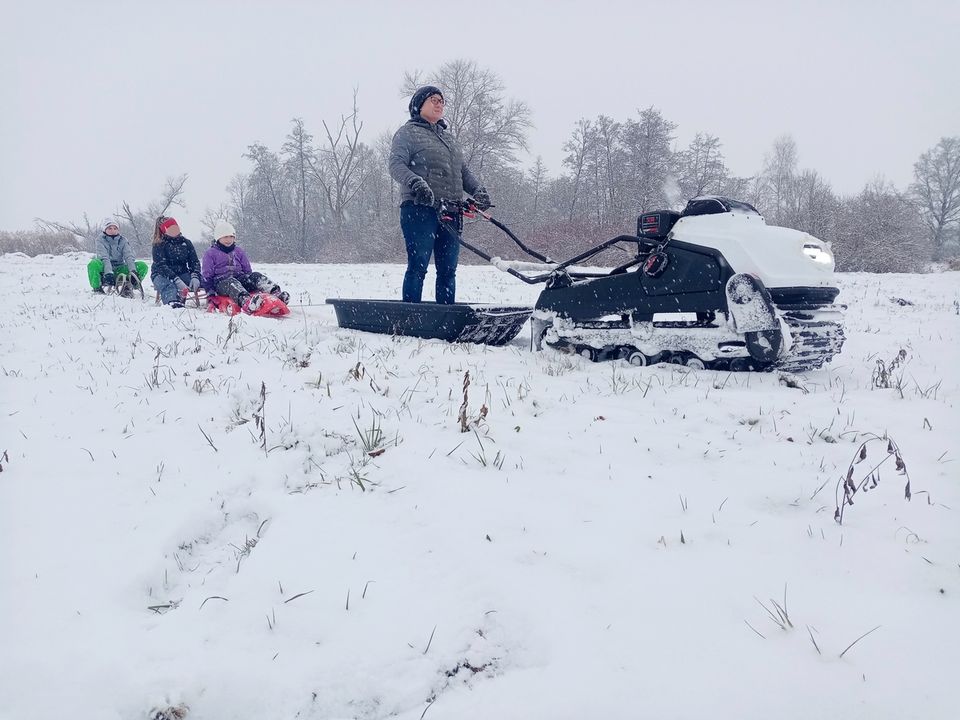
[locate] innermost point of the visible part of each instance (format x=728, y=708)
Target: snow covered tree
x=809, y=205
x=39, y=242
x=936, y=189
x=648, y=161
x=779, y=171
x=605, y=169
x=880, y=230
x=269, y=206
x=748, y=189
x=701, y=167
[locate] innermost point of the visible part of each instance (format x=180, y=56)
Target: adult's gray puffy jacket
x=420, y=149
x=115, y=251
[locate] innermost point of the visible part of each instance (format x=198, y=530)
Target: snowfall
x=255, y=518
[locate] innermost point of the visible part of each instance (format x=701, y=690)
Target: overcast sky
x=102, y=100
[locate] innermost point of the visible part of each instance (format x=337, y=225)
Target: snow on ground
x=602, y=544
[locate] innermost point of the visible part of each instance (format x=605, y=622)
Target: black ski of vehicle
x=458, y=322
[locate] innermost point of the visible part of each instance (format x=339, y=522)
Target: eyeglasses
x=435, y=99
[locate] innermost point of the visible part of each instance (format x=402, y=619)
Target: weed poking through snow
x=871, y=479
x=884, y=374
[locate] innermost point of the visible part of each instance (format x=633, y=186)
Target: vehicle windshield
x=714, y=205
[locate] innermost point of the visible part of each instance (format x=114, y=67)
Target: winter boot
x=278, y=293
x=252, y=303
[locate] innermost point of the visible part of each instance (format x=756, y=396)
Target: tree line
x=324, y=194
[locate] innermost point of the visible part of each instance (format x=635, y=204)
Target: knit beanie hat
x=222, y=229
x=420, y=97
x=108, y=223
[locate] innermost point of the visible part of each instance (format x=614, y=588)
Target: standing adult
x=426, y=159
x=176, y=268
x=114, y=257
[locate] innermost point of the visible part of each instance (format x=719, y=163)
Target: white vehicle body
x=779, y=256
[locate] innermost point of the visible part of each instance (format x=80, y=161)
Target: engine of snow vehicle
x=712, y=287
x=656, y=225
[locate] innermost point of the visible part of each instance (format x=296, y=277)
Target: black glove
x=194, y=283
x=483, y=198
x=109, y=279
x=422, y=194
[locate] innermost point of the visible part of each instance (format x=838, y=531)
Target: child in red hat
x=176, y=267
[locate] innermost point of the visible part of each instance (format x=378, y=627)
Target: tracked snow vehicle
x=711, y=287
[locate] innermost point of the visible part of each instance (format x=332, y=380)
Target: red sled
x=270, y=305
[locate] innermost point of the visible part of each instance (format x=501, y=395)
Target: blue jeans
x=168, y=288
x=424, y=235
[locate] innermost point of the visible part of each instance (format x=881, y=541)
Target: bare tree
x=141, y=222
x=577, y=148
x=211, y=217
x=172, y=195
x=342, y=164
x=85, y=229
x=936, y=189
x=383, y=190
x=537, y=175
x=299, y=156
x=609, y=154
x=238, y=190
x=136, y=225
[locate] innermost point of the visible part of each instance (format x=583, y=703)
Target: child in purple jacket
x=227, y=271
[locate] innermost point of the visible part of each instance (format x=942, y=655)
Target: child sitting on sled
x=176, y=268
x=114, y=258
x=227, y=272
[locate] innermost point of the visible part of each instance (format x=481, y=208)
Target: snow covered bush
x=38, y=242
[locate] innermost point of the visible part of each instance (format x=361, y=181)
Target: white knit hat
x=108, y=223
x=222, y=229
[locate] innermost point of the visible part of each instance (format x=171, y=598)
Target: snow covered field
x=608, y=542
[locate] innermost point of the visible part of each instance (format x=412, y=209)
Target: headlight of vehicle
x=818, y=252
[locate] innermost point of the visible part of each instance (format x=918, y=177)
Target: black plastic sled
x=459, y=322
